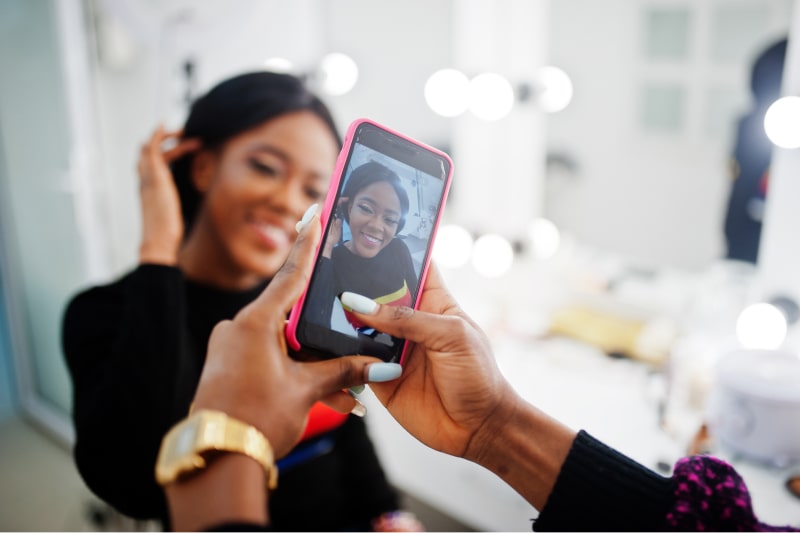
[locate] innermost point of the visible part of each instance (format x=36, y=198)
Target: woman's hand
x=162, y=222
x=248, y=374
x=451, y=396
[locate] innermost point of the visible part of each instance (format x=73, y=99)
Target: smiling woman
x=374, y=261
x=219, y=207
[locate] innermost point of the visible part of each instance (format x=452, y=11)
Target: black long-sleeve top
x=388, y=278
x=135, y=349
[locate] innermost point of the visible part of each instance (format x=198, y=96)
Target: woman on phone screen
x=374, y=262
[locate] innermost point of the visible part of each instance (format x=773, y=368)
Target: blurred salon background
x=622, y=221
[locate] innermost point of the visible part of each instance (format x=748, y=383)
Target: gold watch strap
x=215, y=431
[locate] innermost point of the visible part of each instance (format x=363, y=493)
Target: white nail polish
x=358, y=303
x=307, y=216
x=359, y=409
x=379, y=372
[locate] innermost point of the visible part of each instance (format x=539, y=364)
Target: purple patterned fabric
x=711, y=496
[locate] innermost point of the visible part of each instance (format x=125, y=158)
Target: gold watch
x=193, y=442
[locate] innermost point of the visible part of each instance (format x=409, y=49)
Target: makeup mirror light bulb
x=491, y=96
x=545, y=238
x=761, y=326
x=555, y=89
x=447, y=92
x=278, y=64
x=492, y=255
x=338, y=73
x=782, y=122
x=453, y=246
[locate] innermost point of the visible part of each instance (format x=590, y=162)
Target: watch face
x=184, y=441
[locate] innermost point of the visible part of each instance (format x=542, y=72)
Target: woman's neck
x=202, y=259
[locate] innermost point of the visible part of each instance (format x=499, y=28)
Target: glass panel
x=42, y=249
x=737, y=31
x=667, y=34
x=662, y=107
x=7, y=389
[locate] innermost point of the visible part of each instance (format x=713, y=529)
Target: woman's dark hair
x=374, y=172
x=233, y=107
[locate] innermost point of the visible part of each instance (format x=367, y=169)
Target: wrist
x=158, y=253
x=525, y=447
x=230, y=490
x=487, y=441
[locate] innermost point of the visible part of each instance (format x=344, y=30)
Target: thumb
x=332, y=375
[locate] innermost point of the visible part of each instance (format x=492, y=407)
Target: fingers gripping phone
x=379, y=220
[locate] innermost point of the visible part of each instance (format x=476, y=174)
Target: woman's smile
x=271, y=235
x=370, y=241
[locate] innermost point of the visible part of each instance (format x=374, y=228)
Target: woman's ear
x=203, y=170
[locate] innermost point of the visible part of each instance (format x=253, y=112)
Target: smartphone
x=379, y=222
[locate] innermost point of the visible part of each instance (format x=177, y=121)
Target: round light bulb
x=278, y=64
x=545, y=238
x=555, y=89
x=453, y=246
x=447, y=92
x=338, y=73
x=761, y=326
x=782, y=122
x=491, y=96
x=492, y=255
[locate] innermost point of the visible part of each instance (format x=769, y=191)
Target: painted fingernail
x=359, y=304
x=359, y=409
x=358, y=389
x=379, y=372
x=307, y=216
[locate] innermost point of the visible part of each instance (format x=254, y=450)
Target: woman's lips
x=370, y=241
x=271, y=235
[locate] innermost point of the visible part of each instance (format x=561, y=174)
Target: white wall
x=658, y=197
x=779, y=262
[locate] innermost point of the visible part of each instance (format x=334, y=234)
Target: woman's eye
x=391, y=221
x=365, y=209
x=314, y=194
x=263, y=168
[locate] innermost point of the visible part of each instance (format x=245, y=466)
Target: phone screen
x=376, y=242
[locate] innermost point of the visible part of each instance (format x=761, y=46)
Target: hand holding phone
x=379, y=221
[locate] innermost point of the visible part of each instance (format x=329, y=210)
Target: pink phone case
x=327, y=209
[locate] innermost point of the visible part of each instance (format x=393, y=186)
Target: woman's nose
x=376, y=222
x=291, y=199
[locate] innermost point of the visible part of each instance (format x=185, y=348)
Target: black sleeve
x=123, y=344
x=599, y=489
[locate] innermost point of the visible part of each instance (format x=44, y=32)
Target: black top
x=382, y=278
x=600, y=489
x=135, y=349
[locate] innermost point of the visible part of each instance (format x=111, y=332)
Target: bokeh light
x=447, y=92
x=761, y=326
x=782, y=122
x=545, y=238
x=491, y=96
x=555, y=89
x=492, y=255
x=278, y=64
x=453, y=246
x=338, y=73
